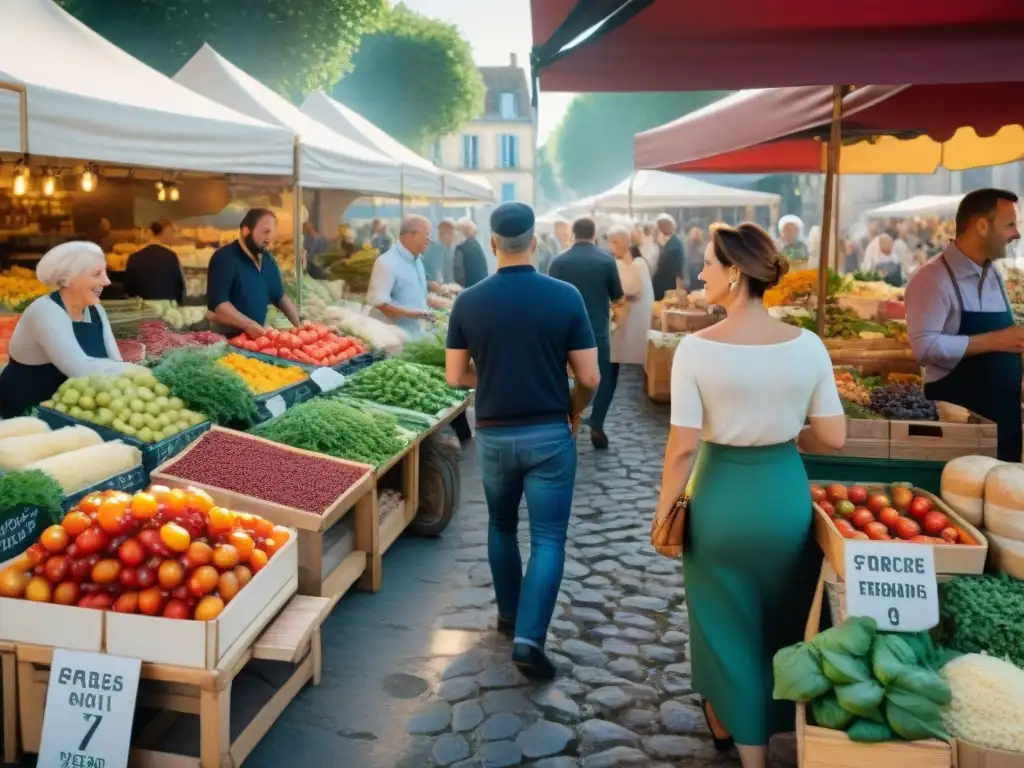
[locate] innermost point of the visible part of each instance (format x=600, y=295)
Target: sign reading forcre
x=893, y=583
x=90, y=704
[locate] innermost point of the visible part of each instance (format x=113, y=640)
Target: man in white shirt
x=398, y=283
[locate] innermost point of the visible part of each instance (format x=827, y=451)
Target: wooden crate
x=866, y=438
x=826, y=748
x=959, y=558
x=358, y=499
x=658, y=366
x=9, y=702
x=941, y=440
x=291, y=635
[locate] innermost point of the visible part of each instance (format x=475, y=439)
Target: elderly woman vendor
x=63, y=334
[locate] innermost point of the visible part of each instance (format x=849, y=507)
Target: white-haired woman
x=63, y=334
x=790, y=242
x=633, y=317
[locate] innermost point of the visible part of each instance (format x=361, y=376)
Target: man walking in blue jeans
x=510, y=336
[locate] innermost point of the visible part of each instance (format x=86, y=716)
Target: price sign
x=90, y=704
x=327, y=379
x=893, y=583
x=276, y=405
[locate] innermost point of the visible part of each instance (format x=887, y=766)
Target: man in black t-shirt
x=511, y=337
x=671, y=262
x=155, y=272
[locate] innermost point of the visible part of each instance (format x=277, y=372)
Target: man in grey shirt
x=960, y=322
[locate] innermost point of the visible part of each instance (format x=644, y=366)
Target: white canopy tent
x=921, y=205
x=325, y=159
x=656, y=190
x=420, y=177
x=67, y=93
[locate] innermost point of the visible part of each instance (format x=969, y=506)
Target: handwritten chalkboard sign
x=19, y=529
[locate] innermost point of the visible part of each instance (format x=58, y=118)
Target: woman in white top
x=63, y=334
x=633, y=316
x=742, y=391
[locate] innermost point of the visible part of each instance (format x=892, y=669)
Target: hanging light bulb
x=174, y=194
x=20, y=184
x=161, y=194
x=88, y=182
x=49, y=185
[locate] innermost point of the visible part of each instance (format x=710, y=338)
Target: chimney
x=514, y=60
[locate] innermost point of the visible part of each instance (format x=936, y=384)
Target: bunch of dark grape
x=902, y=401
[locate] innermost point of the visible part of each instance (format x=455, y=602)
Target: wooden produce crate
x=941, y=440
x=287, y=633
x=154, y=639
x=894, y=353
x=951, y=558
x=359, y=499
x=687, y=320
x=9, y=702
x=866, y=438
x=825, y=748
x=658, y=365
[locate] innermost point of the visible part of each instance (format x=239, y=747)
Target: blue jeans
x=606, y=389
x=539, y=460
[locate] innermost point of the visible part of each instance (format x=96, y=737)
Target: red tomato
x=177, y=609
x=877, y=531
x=906, y=528
x=131, y=553
x=272, y=351
x=90, y=541
x=950, y=534
x=262, y=342
x=889, y=516
x=862, y=517
x=934, y=522
x=845, y=527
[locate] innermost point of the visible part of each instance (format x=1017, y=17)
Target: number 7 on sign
x=96, y=720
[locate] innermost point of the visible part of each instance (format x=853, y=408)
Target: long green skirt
x=751, y=564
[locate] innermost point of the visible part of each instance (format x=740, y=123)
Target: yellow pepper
x=262, y=377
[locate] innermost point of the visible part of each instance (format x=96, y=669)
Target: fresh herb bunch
x=407, y=420
x=194, y=376
x=31, y=488
x=983, y=614
x=428, y=350
x=328, y=426
x=404, y=385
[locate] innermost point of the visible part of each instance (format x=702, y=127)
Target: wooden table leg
x=9, y=688
x=316, y=652
x=215, y=728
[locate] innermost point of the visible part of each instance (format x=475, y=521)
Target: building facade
x=500, y=144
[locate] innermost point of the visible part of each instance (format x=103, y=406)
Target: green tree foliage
x=592, y=148
x=414, y=77
x=547, y=181
x=294, y=46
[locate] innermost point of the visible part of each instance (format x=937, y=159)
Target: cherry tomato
x=199, y=553
x=198, y=500
x=66, y=593
x=228, y=586
x=36, y=554
x=75, y=522
x=91, y=503
x=57, y=568
x=146, y=577
x=131, y=553
x=13, y=582
x=242, y=542
x=257, y=560
x=151, y=601
x=203, y=580
x=209, y=608
x=110, y=514
x=38, y=590
x=91, y=541
x=129, y=578
x=170, y=574
x=244, y=575
x=55, y=539
x=106, y=571
x=174, y=537
x=127, y=603
x=176, y=609
x=144, y=506
x=226, y=557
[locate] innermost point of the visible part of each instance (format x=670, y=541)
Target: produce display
x=158, y=338
x=987, y=702
x=841, y=323
x=311, y=344
x=265, y=470
x=963, y=486
x=428, y=350
x=404, y=385
x=262, y=378
x=869, y=285
x=161, y=552
x=356, y=322
x=983, y=614
x=19, y=287
x=903, y=401
x=83, y=468
x=409, y=422
x=354, y=270
x=193, y=375
x=30, y=488
x=328, y=426
x=885, y=513
x=20, y=452
x=873, y=685
x=135, y=404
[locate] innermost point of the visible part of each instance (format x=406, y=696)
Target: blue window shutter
x=508, y=192
x=513, y=151
x=476, y=158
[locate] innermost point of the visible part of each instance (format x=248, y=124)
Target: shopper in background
x=439, y=258
x=313, y=245
x=511, y=337
x=398, y=282
x=670, y=274
x=647, y=245
x=741, y=393
x=63, y=334
x=154, y=272
x=379, y=237
x=244, y=279
x=596, y=277
x=790, y=243
x=633, y=316
x=694, y=257
x=470, y=265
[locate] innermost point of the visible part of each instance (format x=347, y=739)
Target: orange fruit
x=198, y=500
x=220, y=520
x=209, y=608
x=144, y=506
x=55, y=538
x=257, y=560
x=225, y=557
x=38, y=590
x=90, y=503
x=174, y=537
x=13, y=582
x=110, y=513
x=280, y=534
x=75, y=522
x=175, y=501
x=242, y=542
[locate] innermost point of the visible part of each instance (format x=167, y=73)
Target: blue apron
x=25, y=386
x=987, y=384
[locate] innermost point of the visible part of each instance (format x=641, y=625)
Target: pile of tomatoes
x=310, y=343
x=159, y=552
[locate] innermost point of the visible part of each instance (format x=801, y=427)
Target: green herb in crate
x=31, y=488
x=327, y=426
x=407, y=420
x=426, y=351
x=194, y=376
x=404, y=385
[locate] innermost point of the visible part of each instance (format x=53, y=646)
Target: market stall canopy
x=653, y=190
x=421, y=178
x=921, y=205
x=885, y=129
x=89, y=100
x=676, y=45
x=327, y=160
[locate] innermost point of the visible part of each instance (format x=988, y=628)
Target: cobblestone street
x=416, y=676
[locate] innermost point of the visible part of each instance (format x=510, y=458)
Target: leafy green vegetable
x=397, y=383
x=842, y=668
x=193, y=375
x=861, y=698
x=922, y=682
x=853, y=636
x=31, y=488
x=828, y=714
x=868, y=731
x=798, y=675
x=428, y=350
x=408, y=420
x=913, y=717
x=327, y=426
x=890, y=655
x=983, y=614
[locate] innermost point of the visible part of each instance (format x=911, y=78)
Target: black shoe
x=722, y=745
x=532, y=662
x=599, y=439
x=506, y=627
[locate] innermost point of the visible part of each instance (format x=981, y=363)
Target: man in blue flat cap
x=511, y=336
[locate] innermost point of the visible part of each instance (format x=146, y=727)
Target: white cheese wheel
x=1004, y=501
x=1006, y=555
x=963, y=485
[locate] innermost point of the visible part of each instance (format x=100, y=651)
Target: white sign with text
x=276, y=405
x=893, y=583
x=90, y=705
x=327, y=379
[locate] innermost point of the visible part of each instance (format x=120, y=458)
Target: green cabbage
x=853, y=637
x=868, y=731
x=798, y=675
x=828, y=714
x=861, y=698
x=841, y=668
x=890, y=655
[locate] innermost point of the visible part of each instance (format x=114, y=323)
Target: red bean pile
x=265, y=471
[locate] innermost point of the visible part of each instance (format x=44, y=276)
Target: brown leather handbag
x=667, y=534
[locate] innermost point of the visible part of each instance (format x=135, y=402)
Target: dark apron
x=987, y=384
x=25, y=386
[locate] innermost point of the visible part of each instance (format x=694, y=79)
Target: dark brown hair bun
x=751, y=250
